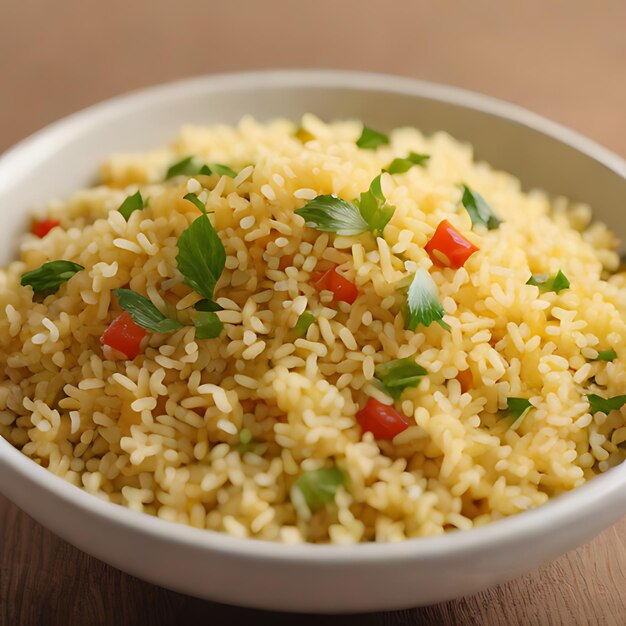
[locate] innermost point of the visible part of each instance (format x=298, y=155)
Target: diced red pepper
x=448, y=247
x=41, y=228
x=343, y=290
x=124, y=335
x=285, y=261
x=466, y=379
x=382, y=420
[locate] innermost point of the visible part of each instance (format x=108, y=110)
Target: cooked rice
x=160, y=434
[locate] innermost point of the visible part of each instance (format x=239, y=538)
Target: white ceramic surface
x=312, y=578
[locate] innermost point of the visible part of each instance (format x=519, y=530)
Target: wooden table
x=565, y=59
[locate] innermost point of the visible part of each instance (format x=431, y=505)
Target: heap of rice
x=161, y=434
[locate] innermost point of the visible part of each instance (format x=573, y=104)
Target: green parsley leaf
x=374, y=209
x=207, y=306
x=303, y=135
x=331, y=214
x=598, y=404
x=50, y=276
x=560, y=282
x=423, y=306
x=208, y=325
x=549, y=283
x=144, y=313
x=401, y=165
x=188, y=166
x=196, y=201
x=222, y=170
x=319, y=487
x=217, y=168
x=370, y=139
x=518, y=406
x=131, y=204
x=304, y=322
x=606, y=355
x=201, y=256
x=334, y=215
x=396, y=376
x=191, y=166
x=479, y=210
x=541, y=281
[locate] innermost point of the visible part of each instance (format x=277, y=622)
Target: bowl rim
x=555, y=515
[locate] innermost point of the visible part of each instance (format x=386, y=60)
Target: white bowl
x=64, y=157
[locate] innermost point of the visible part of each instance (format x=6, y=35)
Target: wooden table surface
x=565, y=59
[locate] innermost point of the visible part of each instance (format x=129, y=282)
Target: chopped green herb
x=598, y=404
x=539, y=280
x=370, y=139
x=188, y=166
x=423, y=306
x=479, y=210
x=217, y=168
x=50, y=276
x=402, y=165
x=334, y=215
x=196, y=201
x=303, y=135
x=518, y=408
x=560, y=282
x=396, y=376
x=606, y=355
x=192, y=166
x=331, y=214
x=207, y=306
x=144, y=313
x=222, y=170
x=374, y=209
x=208, y=325
x=318, y=487
x=304, y=322
x=201, y=256
x=549, y=283
x=131, y=204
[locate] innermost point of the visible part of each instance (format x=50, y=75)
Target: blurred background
x=565, y=59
